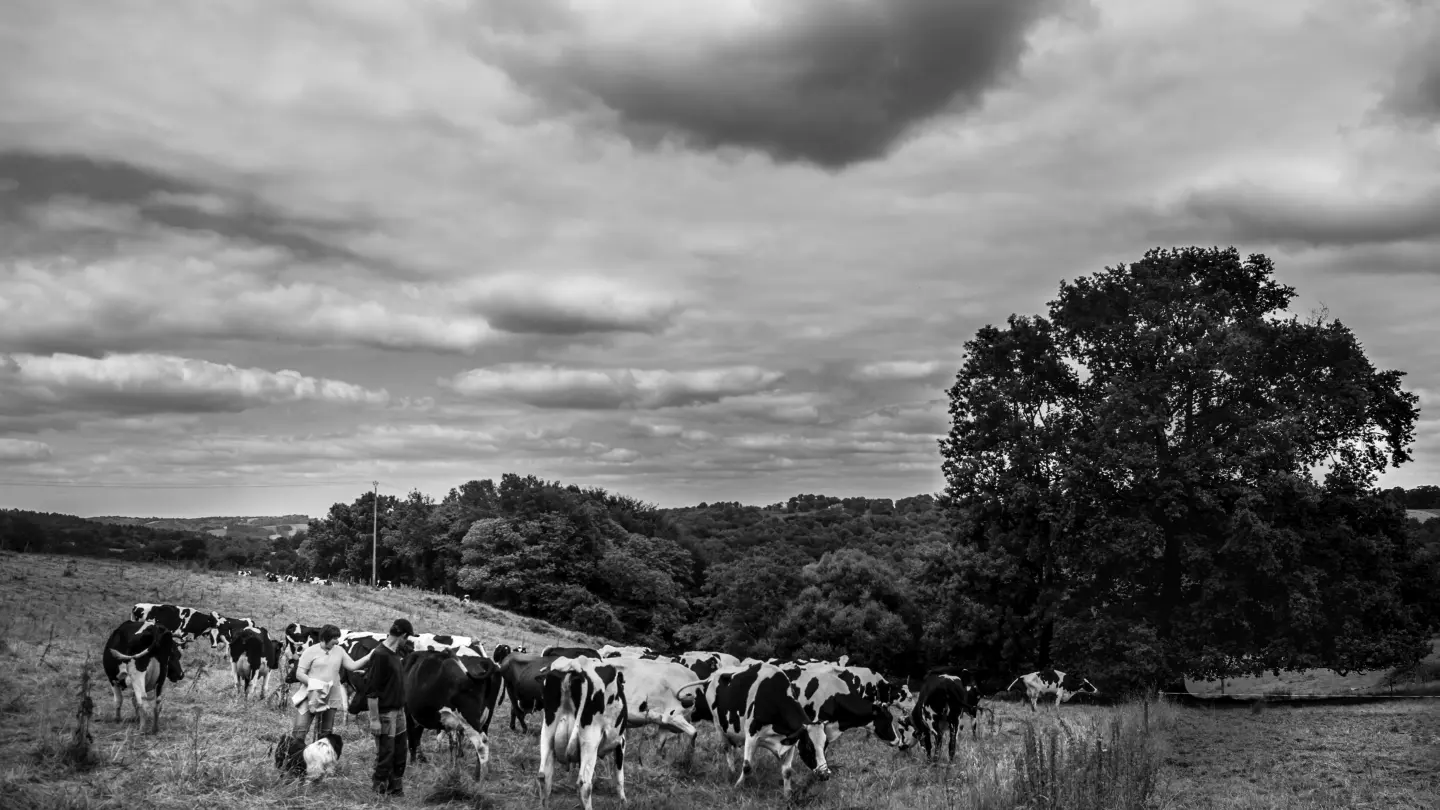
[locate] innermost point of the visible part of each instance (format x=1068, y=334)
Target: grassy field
x=214, y=752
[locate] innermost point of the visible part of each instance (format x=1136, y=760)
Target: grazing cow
x=522, y=674
x=1052, y=682
x=253, y=654
x=445, y=691
x=319, y=581
x=226, y=628
x=834, y=704
x=245, y=572
x=465, y=599
x=186, y=623
x=271, y=577
x=322, y=756
x=753, y=708
x=462, y=645
x=652, y=694
x=585, y=711
x=142, y=656
x=946, y=694
x=387, y=585
x=610, y=651
x=704, y=664
x=569, y=652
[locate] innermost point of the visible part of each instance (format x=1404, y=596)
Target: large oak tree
x=1170, y=474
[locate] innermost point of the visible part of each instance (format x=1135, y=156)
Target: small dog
x=322, y=756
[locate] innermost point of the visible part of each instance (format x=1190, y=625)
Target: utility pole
x=374, y=533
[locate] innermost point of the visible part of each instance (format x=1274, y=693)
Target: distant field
x=1422, y=515
x=1323, y=682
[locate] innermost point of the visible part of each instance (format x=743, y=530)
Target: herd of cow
x=588, y=698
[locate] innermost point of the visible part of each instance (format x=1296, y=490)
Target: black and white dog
x=322, y=756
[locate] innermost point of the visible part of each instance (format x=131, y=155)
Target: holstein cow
x=1052, y=682
x=610, y=651
x=834, y=705
x=946, y=695
x=297, y=637
x=753, y=708
x=253, y=654
x=142, y=656
x=653, y=695
x=585, y=711
x=704, y=664
x=462, y=645
x=445, y=691
x=185, y=622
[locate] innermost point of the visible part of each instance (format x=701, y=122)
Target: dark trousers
x=391, y=749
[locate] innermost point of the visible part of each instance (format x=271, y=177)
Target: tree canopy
x=1171, y=474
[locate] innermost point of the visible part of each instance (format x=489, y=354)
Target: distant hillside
x=1422, y=515
x=66, y=534
x=254, y=528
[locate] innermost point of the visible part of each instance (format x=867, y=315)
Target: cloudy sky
x=685, y=251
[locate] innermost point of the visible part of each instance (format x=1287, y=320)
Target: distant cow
x=245, y=572
x=753, y=708
x=947, y=694
x=253, y=654
x=834, y=705
x=271, y=577
x=585, y=711
x=704, y=664
x=451, y=692
x=1052, y=682
x=610, y=651
x=319, y=581
x=141, y=656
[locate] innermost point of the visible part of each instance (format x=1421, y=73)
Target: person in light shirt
x=319, y=673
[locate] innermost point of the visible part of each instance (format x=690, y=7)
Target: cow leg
x=546, y=773
x=119, y=692
x=589, y=752
x=787, y=769
x=620, y=768
x=453, y=721
x=954, y=728
x=1034, y=697
x=747, y=757
x=818, y=738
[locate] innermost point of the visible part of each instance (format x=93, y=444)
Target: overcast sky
x=686, y=251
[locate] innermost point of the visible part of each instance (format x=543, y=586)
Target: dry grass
x=1424, y=679
x=1379, y=755
x=213, y=752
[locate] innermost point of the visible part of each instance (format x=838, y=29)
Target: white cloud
x=548, y=386
x=150, y=383
x=905, y=370
x=22, y=450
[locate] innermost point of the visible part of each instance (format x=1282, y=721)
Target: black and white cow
x=319, y=581
x=297, y=637
x=462, y=645
x=1052, y=682
x=835, y=705
x=141, y=656
x=704, y=664
x=611, y=651
x=253, y=654
x=445, y=691
x=946, y=696
x=753, y=708
x=186, y=623
x=271, y=577
x=585, y=711
x=653, y=695
x=245, y=572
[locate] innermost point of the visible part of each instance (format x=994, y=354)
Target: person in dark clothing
x=386, y=698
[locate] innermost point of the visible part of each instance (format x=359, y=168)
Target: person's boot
x=397, y=786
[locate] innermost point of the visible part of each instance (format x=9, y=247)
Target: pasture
x=214, y=752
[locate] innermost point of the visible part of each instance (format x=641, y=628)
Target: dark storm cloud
x=833, y=84
x=1248, y=212
x=30, y=180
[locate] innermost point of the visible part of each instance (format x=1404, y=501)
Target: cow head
x=894, y=727
x=500, y=653
x=173, y=671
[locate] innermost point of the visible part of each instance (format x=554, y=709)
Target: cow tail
x=1012, y=684
x=572, y=745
